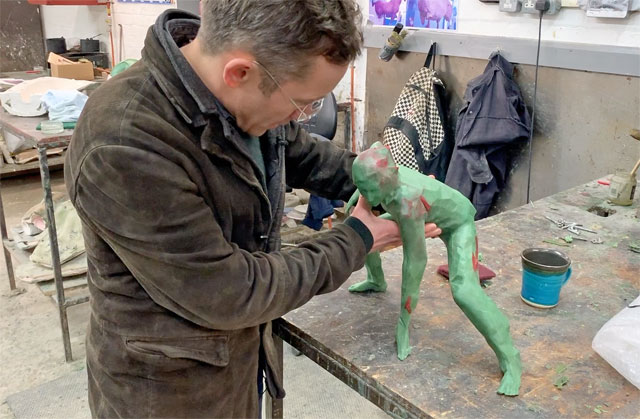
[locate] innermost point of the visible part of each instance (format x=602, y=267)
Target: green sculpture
x=412, y=199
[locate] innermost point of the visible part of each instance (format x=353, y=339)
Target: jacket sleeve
x=318, y=166
x=150, y=213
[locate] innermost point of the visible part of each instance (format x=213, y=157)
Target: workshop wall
x=582, y=119
x=130, y=24
x=75, y=23
x=569, y=25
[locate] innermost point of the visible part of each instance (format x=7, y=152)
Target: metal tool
x=571, y=227
x=558, y=223
x=579, y=238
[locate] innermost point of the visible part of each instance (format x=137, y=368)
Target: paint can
x=623, y=187
x=544, y=273
x=56, y=45
x=89, y=45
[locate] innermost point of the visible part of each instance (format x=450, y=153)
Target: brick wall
x=130, y=24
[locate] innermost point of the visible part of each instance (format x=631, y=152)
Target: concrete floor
x=32, y=351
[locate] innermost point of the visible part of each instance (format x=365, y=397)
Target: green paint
x=560, y=368
x=534, y=408
x=568, y=239
x=561, y=381
x=412, y=199
x=634, y=247
x=556, y=242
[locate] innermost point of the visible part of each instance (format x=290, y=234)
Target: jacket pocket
x=180, y=353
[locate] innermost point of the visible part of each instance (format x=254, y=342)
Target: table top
x=25, y=127
x=451, y=370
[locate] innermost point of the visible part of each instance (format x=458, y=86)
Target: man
x=177, y=169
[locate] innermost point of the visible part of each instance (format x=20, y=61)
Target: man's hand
x=386, y=233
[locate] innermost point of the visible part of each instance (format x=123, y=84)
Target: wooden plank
x=11, y=170
x=29, y=272
x=48, y=288
x=451, y=370
x=25, y=127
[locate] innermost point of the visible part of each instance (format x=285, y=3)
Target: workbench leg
x=7, y=255
x=347, y=129
x=274, y=406
x=55, y=252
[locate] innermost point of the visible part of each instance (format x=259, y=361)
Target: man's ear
x=238, y=71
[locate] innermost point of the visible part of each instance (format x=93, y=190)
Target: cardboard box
x=67, y=69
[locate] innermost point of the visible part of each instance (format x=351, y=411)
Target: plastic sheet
x=618, y=342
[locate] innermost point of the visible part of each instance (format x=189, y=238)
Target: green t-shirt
x=252, y=145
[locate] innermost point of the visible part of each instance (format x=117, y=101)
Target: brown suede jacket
x=185, y=267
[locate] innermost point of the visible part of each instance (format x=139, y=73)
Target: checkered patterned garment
x=416, y=105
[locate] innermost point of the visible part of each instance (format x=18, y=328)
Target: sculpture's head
x=375, y=174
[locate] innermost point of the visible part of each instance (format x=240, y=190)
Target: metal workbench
x=451, y=370
x=25, y=128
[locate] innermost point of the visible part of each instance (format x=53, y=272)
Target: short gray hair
x=283, y=34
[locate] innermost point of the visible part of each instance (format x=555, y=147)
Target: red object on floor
x=485, y=273
x=604, y=182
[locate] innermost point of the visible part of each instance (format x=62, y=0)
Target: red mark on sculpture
x=425, y=203
x=407, y=305
x=474, y=257
x=382, y=163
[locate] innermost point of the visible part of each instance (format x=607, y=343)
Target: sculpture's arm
x=352, y=202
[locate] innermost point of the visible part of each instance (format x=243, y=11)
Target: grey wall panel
x=582, y=122
x=613, y=59
x=21, y=39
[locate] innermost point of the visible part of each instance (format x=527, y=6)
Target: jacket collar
x=497, y=63
x=175, y=76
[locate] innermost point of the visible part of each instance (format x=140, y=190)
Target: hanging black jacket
x=495, y=116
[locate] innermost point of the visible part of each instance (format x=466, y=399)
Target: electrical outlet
x=510, y=6
x=529, y=6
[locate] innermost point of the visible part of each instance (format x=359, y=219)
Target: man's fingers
x=432, y=176
x=431, y=230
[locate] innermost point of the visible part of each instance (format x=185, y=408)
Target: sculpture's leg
x=478, y=307
x=413, y=263
x=375, y=276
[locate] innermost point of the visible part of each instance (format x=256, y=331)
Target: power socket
x=510, y=6
x=529, y=6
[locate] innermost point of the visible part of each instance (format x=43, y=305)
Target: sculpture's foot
x=367, y=285
x=403, y=351
x=402, y=342
x=510, y=383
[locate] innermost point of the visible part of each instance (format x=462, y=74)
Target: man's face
x=256, y=113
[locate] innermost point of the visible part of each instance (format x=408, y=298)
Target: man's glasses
x=305, y=113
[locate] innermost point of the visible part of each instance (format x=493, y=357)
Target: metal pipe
x=55, y=252
x=7, y=255
x=353, y=112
